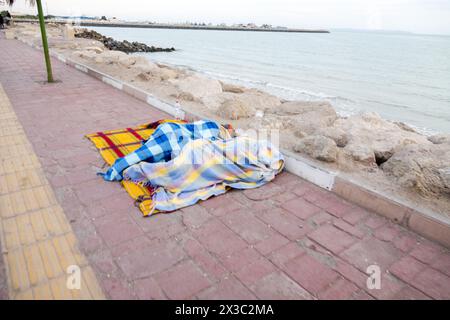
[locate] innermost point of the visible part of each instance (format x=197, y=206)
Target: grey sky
x=420, y=16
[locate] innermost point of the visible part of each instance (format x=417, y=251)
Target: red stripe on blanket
x=116, y=132
x=134, y=133
x=111, y=144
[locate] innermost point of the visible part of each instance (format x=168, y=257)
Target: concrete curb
x=420, y=220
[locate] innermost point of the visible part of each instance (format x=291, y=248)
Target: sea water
x=402, y=76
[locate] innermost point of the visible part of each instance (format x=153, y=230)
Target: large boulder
x=303, y=107
x=267, y=122
x=143, y=67
x=137, y=62
x=214, y=101
x=235, y=109
x=318, y=147
x=440, y=138
x=424, y=168
x=227, y=87
x=306, y=117
x=85, y=54
x=127, y=61
x=159, y=74
x=94, y=49
x=337, y=135
x=361, y=153
x=259, y=100
x=198, y=86
x=111, y=56
x=380, y=136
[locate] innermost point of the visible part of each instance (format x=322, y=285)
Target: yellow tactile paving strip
x=38, y=244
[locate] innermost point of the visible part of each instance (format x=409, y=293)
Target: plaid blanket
x=205, y=168
x=114, y=144
x=183, y=182
x=164, y=144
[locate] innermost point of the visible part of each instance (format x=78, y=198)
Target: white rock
x=307, y=117
x=198, y=86
x=259, y=100
x=361, y=153
x=95, y=49
x=440, y=138
x=112, y=56
x=227, y=87
x=318, y=147
x=379, y=135
x=424, y=168
x=338, y=135
x=235, y=109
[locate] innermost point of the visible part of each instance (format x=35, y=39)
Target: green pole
x=44, y=42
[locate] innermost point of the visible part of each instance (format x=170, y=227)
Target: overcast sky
x=420, y=16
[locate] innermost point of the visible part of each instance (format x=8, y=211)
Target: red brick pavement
x=286, y=240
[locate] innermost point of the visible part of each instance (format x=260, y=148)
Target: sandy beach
x=387, y=156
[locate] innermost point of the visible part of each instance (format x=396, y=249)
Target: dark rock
x=124, y=46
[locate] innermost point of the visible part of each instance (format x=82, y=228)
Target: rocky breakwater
x=124, y=46
x=365, y=145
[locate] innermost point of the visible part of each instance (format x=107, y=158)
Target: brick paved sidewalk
x=288, y=239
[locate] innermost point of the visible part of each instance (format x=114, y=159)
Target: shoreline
x=87, y=23
x=364, y=147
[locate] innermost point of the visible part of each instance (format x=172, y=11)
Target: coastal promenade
x=288, y=239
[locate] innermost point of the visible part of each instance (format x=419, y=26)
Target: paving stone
x=218, y=239
x=248, y=226
x=433, y=283
x=286, y=253
x=406, y=242
x=300, y=208
x=426, y=252
x=351, y=273
x=264, y=192
x=310, y=274
x=194, y=216
x=340, y=290
x=149, y=260
x=355, y=215
x=321, y=218
x=148, y=289
x=270, y=244
x=254, y=271
x=285, y=179
x=371, y=252
x=117, y=231
x=375, y=221
x=387, y=232
x=332, y=238
x=117, y=288
x=209, y=264
x=227, y=289
x=344, y=226
x=407, y=268
x=278, y=286
x=285, y=223
x=390, y=288
x=409, y=293
x=238, y=260
x=185, y=273
x=160, y=226
x=442, y=263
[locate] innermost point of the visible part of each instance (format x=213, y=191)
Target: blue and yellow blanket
x=182, y=163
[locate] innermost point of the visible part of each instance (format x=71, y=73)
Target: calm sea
x=403, y=77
